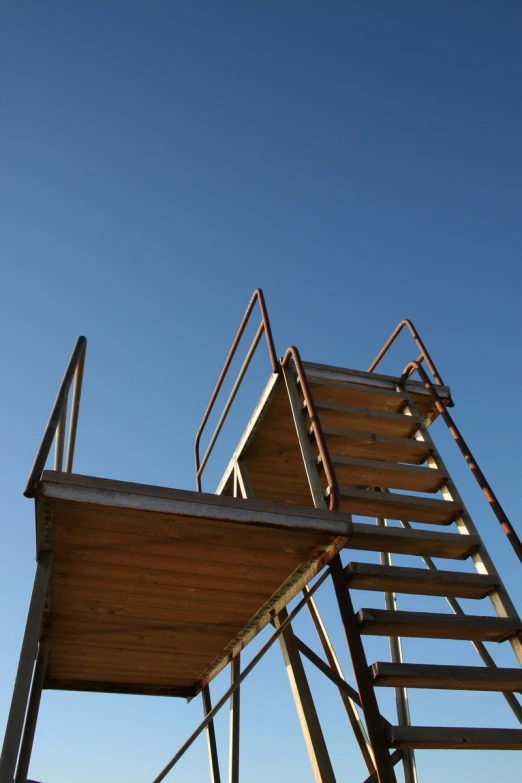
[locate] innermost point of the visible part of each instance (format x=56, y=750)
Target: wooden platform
x=361, y=417
x=154, y=590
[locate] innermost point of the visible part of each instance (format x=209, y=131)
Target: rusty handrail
x=333, y=487
x=56, y=423
x=483, y=483
x=257, y=296
x=424, y=355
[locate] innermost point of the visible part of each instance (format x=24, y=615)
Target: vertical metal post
x=308, y=718
x=60, y=439
x=32, y=713
x=22, y=686
x=374, y=721
x=233, y=769
x=349, y=705
x=401, y=694
x=213, y=760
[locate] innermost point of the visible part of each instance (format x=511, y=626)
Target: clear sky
x=361, y=163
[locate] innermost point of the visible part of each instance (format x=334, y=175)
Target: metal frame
x=372, y=739
x=264, y=327
x=56, y=424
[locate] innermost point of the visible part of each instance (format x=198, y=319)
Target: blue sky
x=358, y=161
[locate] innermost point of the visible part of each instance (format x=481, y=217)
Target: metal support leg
x=22, y=686
x=374, y=721
x=310, y=725
x=233, y=771
x=401, y=694
x=32, y=713
x=213, y=760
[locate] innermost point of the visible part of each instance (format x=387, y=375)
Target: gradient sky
x=358, y=161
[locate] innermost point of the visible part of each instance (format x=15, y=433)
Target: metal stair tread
x=448, y=677
x=418, y=581
x=431, y=625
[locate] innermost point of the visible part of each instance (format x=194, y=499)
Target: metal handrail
x=333, y=486
x=483, y=483
x=257, y=296
x=424, y=355
x=57, y=421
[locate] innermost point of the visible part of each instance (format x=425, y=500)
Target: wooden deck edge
x=320, y=556
x=139, y=497
x=185, y=692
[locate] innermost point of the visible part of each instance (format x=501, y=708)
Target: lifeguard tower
x=332, y=459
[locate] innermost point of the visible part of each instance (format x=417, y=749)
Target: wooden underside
x=155, y=590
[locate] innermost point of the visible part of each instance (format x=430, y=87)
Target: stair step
x=385, y=622
x=436, y=737
x=408, y=508
x=415, y=389
x=357, y=395
x=470, y=678
x=355, y=443
x=380, y=422
x=419, y=581
x=375, y=473
x=427, y=543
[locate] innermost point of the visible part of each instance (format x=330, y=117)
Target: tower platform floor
x=154, y=590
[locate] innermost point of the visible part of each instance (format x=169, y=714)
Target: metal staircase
x=152, y=590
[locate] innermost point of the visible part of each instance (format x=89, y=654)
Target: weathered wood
x=422, y=675
x=419, y=581
x=436, y=737
x=412, y=542
x=381, y=422
x=357, y=443
x=382, y=622
x=357, y=395
x=375, y=473
x=398, y=506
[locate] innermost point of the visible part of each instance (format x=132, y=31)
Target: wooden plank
x=383, y=622
x=374, y=473
x=425, y=543
x=391, y=505
x=357, y=395
x=381, y=422
x=154, y=583
x=177, y=638
x=371, y=378
x=168, y=528
x=84, y=605
x=418, y=581
x=471, y=678
x=436, y=737
x=262, y=576
x=243, y=553
x=352, y=443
